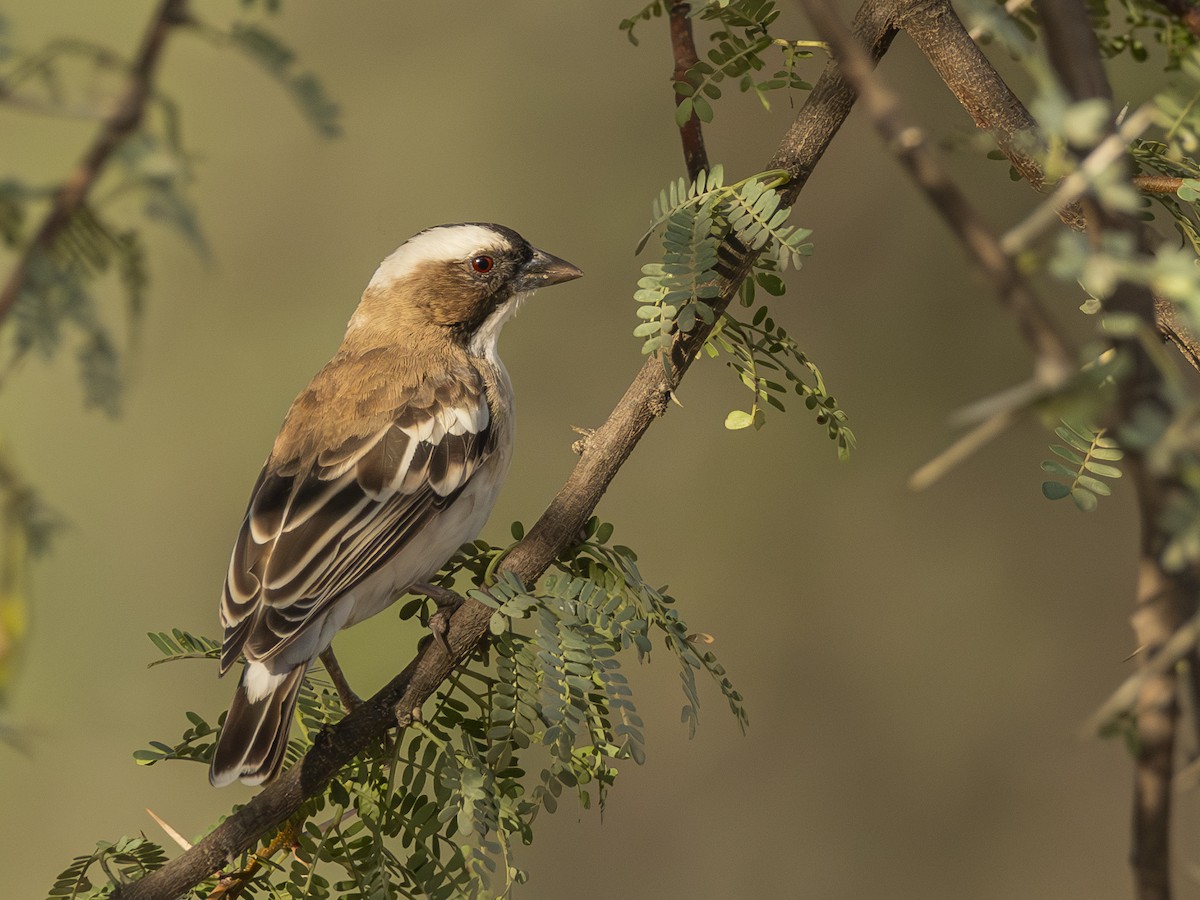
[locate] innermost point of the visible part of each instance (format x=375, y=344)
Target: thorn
x=171, y=832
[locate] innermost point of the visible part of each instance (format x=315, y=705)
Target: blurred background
x=917, y=667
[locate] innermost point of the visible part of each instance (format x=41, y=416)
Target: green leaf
x=1101, y=469
x=1056, y=468
x=683, y=111
x=738, y=419
x=1085, y=500
x=277, y=59
x=1067, y=454
x=1095, y=485
x=771, y=283
x=1055, y=490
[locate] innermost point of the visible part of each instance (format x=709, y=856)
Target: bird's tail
x=255, y=735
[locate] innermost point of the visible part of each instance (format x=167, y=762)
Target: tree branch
x=683, y=47
x=937, y=31
x=123, y=121
x=1054, y=361
x=604, y=452
x=1165, y=600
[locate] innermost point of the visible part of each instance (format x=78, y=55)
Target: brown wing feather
x=324, y=518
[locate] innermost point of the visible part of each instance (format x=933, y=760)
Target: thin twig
x=126, y=117
x=683, y=48
x=818, y=120
x=1157, y=184
x=1124, y=698
x=1053, y=358
x=1075, y=185
x=962, y=449
x=969, y=74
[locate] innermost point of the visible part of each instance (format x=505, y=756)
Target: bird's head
x=467, y=278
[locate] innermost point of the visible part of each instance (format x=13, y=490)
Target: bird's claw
x=350, y=700
x=447, y=603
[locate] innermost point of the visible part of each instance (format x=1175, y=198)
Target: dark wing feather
x=315, y=528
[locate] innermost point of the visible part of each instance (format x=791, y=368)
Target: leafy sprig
x=695, y=219
x=1090, y=454
x=761, y=351
x=439, y=810
x=741, y=42
x=699, y=222
x=124, y=860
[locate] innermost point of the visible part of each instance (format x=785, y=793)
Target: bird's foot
x=447, y=603
x=350, y=700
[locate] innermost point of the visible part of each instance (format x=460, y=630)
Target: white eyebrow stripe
x=446, y=242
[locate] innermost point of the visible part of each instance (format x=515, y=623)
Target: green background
x=917, y=667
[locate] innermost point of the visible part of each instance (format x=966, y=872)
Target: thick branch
x=1054, y=359
x=603, y=454
x=968, y=73
x=1165, y=600
x=124, y=120
x=936, y=29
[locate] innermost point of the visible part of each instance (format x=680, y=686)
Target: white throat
x=483, y=342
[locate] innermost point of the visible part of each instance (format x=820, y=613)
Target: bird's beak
x=544, y=269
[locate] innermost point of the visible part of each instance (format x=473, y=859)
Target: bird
x=386, y=463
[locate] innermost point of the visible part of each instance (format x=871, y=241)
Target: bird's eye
x=482, y=264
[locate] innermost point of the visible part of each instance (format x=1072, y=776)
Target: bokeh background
x=917, y=666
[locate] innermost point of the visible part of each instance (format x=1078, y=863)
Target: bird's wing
x=314, y=531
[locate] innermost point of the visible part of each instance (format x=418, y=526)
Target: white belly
x=428, y=550
x=424, y=553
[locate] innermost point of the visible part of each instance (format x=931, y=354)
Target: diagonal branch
x=1054, y=360
x=124, y=120
x=604, y=452
x=939, y=34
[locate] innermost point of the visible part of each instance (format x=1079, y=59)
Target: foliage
x=27, y=527
x=59, y=303
x=1090, y=454
x=1136, y=25
x=58, y=293
x=1140, y=22
x=700, y=223
x=125, y=860
x=760, y=347
x=439, y=810
x=150, y=171
x=278, y=60
x=742, y=38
